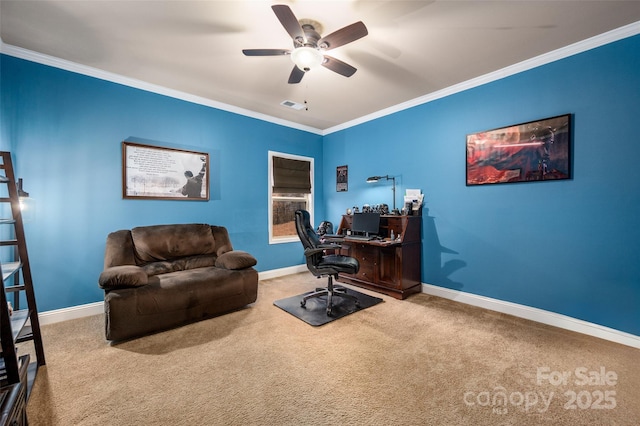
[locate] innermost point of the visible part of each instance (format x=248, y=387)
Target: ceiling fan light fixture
x=309, y=46
x=307, y=58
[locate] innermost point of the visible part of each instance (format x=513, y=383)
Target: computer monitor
x=367, y=223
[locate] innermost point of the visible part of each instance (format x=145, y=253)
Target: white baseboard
x=97, y=308
x=275, y=273
x=59, y=315
x=520, y=311
x=535, y=314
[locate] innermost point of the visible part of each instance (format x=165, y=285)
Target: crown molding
x=546, y=58
x=63, y=64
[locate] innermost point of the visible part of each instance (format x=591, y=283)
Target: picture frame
x=534, y=151
x=342, y=178
x=161, y=173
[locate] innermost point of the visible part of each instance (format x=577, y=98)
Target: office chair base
x=315, y=313
x=330, y=291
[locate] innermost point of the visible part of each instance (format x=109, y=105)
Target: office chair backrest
x=309, y=240
x=305, y=230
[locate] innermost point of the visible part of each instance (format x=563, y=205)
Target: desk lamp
x=373, y=179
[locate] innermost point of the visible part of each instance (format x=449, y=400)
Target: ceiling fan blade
x=336, y=65
x=289, y=21
x=296, y=75
x=265, y=52
x=343, y=36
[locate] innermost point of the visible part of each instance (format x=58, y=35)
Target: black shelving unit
x=17, y=373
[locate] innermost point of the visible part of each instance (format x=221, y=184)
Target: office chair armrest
x=329, y=246
x=322, y=247
x=311, y=251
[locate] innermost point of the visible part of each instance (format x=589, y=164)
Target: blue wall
x=65, y=132
x=570, y=247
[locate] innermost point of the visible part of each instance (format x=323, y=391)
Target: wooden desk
x=388, y=267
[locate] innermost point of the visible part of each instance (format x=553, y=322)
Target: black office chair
x=321, y=264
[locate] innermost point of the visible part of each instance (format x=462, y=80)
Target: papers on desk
x=415, y=197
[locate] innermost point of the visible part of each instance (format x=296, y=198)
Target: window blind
x=291, y=176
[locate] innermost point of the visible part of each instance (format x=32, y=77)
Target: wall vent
x=295, y=105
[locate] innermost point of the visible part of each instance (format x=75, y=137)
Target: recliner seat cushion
x=169, y=301
x=182, y=290
x=191, y=262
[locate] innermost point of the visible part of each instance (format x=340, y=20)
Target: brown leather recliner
x=163, y=276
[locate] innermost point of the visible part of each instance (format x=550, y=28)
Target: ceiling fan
x=309, y=46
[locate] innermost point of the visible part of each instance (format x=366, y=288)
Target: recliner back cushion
x=119, y=249
x=168, y=242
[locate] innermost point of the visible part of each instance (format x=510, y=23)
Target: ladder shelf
x=22, y=324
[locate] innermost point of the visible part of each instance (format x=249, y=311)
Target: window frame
x=309, y=197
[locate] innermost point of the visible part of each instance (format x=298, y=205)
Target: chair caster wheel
x=329, y=313
x=303, y=304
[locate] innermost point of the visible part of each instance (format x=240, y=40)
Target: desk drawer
x=368, y=258
x=366, y=272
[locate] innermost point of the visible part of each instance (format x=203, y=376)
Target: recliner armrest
x=123, y=276
x=236, y=259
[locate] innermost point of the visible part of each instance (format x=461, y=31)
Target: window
x=290, y=189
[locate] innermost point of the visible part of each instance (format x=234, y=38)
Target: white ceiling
x=413, y=49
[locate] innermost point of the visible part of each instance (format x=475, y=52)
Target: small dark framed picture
x=342, y=178
x=534, y=151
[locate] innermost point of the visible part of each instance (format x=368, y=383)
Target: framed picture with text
x=153, y=172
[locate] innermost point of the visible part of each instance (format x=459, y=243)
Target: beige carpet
x=422, y=361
